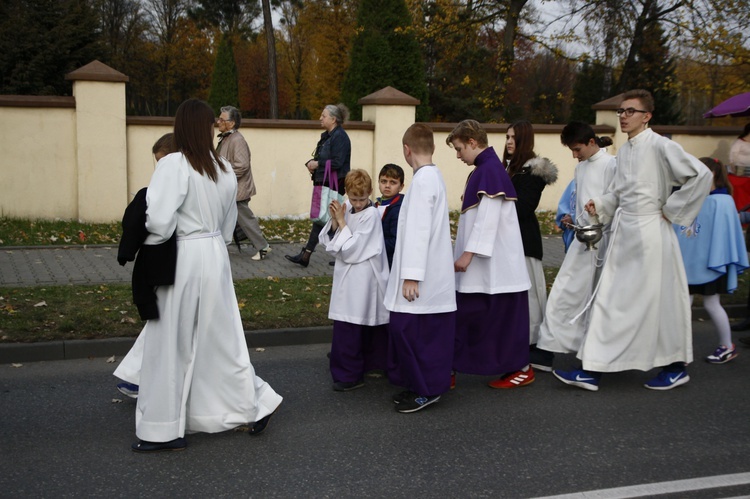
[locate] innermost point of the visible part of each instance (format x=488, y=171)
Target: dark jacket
x=529, y=183
x=154, y=265
x=337, y=147
x=390, y=224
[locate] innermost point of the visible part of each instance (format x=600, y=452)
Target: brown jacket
x=234, y=148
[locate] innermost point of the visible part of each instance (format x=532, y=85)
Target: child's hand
x=332, y=207
x=339, y=213
x=410, y=290
x=463, y=262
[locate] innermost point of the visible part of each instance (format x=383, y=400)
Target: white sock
x=719, y=317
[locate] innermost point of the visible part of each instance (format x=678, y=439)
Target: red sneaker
x=515, y=379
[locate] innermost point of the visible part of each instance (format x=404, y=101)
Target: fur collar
x=542, y=167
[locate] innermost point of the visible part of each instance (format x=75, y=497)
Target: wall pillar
x=101, y=142
x=392, y=112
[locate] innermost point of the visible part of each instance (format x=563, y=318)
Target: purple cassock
x=492, y=330
x=357, y=349
x=420, y=350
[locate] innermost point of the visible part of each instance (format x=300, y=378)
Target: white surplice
x=640, y=317
x=361, y=272
x=423, y=251
x=196, y=374
x=579, y=271
x=491, y=232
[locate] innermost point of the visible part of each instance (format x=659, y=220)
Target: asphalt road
x=66, y=432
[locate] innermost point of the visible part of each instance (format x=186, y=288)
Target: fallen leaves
x=16, y=365
x=41, y=304
x=111, y=360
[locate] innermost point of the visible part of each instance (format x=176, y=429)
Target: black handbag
x=239, y=235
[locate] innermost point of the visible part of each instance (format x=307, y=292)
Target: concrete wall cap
x=388, y=96
x=96, y=71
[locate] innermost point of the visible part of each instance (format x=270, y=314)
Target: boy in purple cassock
x=492, y=320
x=421, y=293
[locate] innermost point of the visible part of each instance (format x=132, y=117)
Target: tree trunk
x=273, y=85
x=508, y=51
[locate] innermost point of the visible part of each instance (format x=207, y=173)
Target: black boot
x=303, y=258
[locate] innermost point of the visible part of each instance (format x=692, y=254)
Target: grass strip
x=106, y=311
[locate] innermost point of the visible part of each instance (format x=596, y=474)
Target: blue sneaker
x=128, y=389
x=579, y=378
x=666, y=380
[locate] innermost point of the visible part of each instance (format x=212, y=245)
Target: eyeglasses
x=629, y=112
x=222, y=120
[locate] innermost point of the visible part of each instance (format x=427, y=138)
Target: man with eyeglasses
x=234, y=148
x=640, y=312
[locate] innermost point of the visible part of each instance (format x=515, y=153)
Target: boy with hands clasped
x=354, y=236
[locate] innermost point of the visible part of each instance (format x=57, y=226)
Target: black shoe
x=303, y=258
x=347, y=386
x=414, y=404
x=172, y=445
x=745, y=341
x=403, y=396
x=742, y=326
x=260, y=425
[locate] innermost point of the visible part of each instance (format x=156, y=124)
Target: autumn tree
x=315, y=42
x=233, y=18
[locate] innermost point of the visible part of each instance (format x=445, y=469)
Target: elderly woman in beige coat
x=234, y=148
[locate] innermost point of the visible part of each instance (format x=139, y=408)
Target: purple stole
x=488, y=178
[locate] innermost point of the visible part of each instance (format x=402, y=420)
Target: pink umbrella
x=736, y=106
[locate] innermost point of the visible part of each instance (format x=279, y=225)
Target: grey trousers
x=250, y=225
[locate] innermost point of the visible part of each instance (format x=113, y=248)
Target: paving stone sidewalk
x=47, y=266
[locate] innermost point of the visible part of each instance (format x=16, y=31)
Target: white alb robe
x=491, y=232
x=361, y=272
x=423, y=250
x=640, y=317
x=196, y=373
x=579, y=271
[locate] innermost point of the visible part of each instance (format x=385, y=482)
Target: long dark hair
x=720, y=173
x=524, y=137
x=193, y=136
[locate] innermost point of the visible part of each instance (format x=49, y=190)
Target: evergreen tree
x=42, y=41
x=587, y=91
x=224, y=80
x=385, y=52
x=654, y=71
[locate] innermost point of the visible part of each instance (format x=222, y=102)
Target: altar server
x=354, y=236
x=421, y=293
x=492, y=320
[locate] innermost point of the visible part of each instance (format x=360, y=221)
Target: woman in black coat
x=334, y=145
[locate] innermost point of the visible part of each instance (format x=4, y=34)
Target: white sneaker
x=261, y=254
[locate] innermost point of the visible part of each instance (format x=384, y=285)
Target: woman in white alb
x=196, y=374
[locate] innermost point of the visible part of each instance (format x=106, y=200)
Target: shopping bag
x=323, y=195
